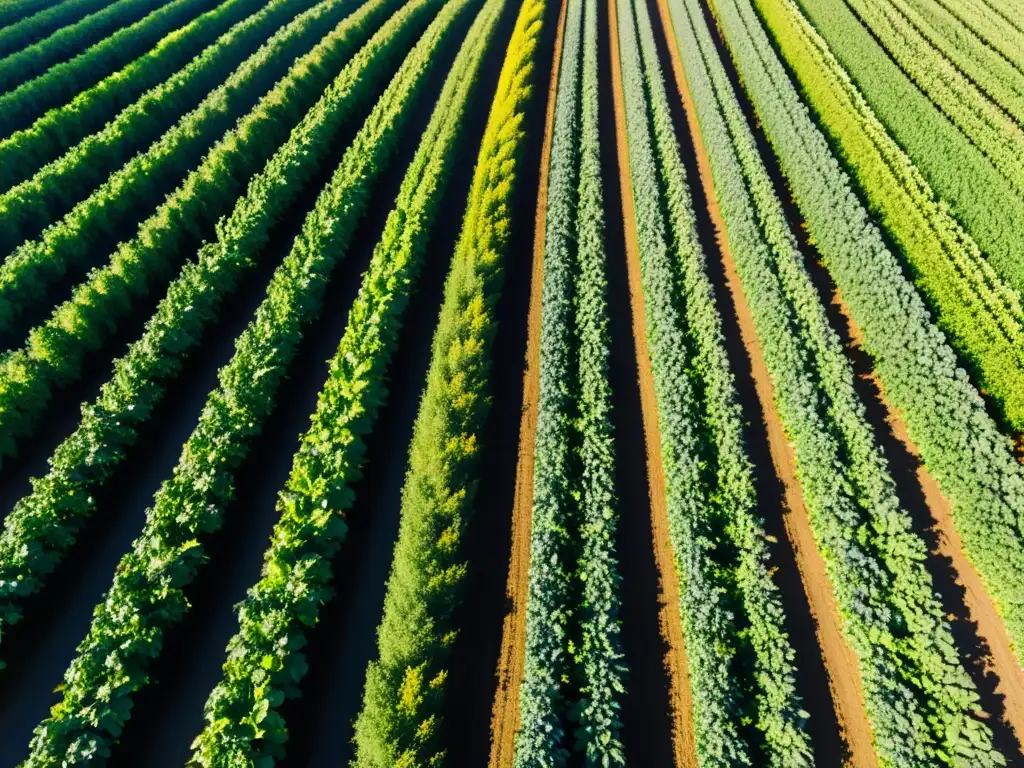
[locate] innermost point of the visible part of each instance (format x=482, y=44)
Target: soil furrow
x=978, y=631
x=669, y=619
x=505, y=711
x=840, y=662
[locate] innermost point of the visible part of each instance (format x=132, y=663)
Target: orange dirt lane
x=989, y=636
x=669, y=619
x=840, y=660
x=505, y=712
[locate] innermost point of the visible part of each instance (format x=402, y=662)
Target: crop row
x=554, y=531
x=14, y=11
x=43, y=525
x=955, y=168
x=405, y=684
x=922, y=705
x=70, y=41
x=996, y=27
x=177, y=121
x=264, y=659
x=945, y=416
x=985, y=67
x=741, y=661
x=983, y=122
x=54, y=352
x=981, y=315
x=573, y=667
x=26, y=100
x=25, y=151
x=599, y=655
x=147, y=596
x=14, y=37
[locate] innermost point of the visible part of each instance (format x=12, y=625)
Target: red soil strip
x=505, y=712
x=992, y=648
x=840, y=661
x=669, y=619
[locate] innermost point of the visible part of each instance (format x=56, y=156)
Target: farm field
x=511, y=383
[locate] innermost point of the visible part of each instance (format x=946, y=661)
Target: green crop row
x=35, y=80
x=165, y=133
x=993, y=24
x=24, y=152
x=956, y=169
x=599, y=656
x=985, y=67
x=741, y=661
x=264, y=660
x=982, y=316
x=552, y=594
x=147, y=596
x=946, y=418
x=922, y=705
x=14, y=11
x=405, y=684
x=33, y=28
x=55, y=351
x=981, y=121
x=573, y=668
x=43, y=525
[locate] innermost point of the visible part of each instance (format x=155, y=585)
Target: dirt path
x=505, y=711
x=980, y=633
x=840, y=661
x=669, y=618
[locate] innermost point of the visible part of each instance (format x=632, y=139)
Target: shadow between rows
x=647, y=715
x=903, y=465
x=800, y=623
x=58, y=618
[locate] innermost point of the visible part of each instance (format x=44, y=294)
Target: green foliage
x=956, y=169
x=56, y=350
x=15, y=10
x=242, y=726
x=147, y=596
x=405, y=684
x=39, y=77
x=552, y=594
x=982, y=316
x=995, y=25
x=960, y=444
x=922, y=705
x=14, y=37
x=573, y=667
x=984, y=123
x=991, y=72
x=599, y=660
x=741, y=662
x=43, y=525
x=179, y=58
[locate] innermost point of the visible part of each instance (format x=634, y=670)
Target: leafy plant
x=405, y=684
x=147, y=596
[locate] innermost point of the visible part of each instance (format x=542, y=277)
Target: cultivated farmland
x=512, y=383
